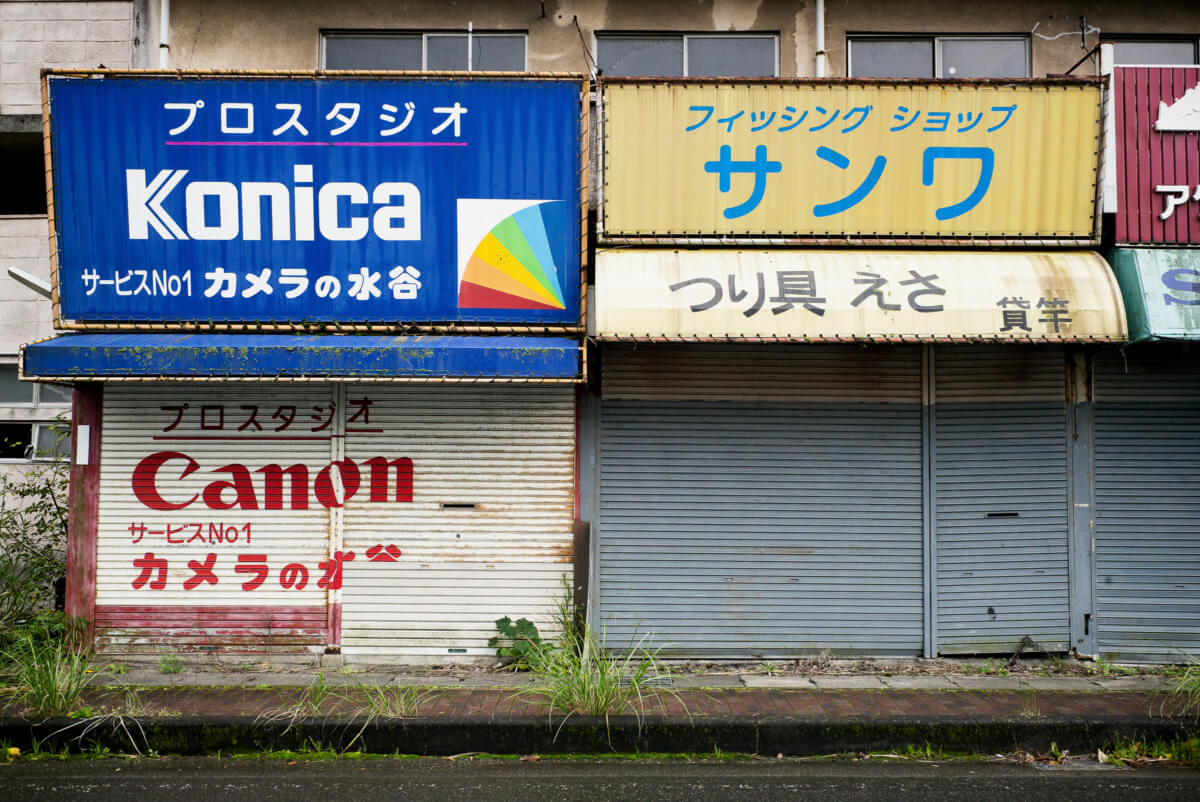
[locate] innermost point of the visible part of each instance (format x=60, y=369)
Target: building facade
x=1014, y=479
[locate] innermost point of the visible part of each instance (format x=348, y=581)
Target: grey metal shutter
x=1001, y=498
x=1147, y=496
x=761, y=500
x=489, y=531
x=237, y=610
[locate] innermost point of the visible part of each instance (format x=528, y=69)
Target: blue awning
x=100, y=357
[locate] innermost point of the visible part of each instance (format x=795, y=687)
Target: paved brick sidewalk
x=750, y=703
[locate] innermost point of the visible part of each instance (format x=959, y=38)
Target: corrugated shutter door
x=1147, y=496
x=761, y=500
x=201, y=578
x=1000, y=479
x=489, y=530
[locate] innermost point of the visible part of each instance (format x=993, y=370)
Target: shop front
x=248, y=509
x=843, y=475
x=1147, y=396
x=325, y=396
x=841, y=326
x=1147, y=468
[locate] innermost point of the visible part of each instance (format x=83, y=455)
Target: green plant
x=1029, y=707
x=33, y=537
x=384, y=702
x=1185, y=690
x=117, y=668
x=306, y=705
x=40, y=661
x=767, y=668
x=169, y=664
x=517, y=643
x=577, y=676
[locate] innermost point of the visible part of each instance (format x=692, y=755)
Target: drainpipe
x=820, y=38
x=164, y=34
x=470, y=57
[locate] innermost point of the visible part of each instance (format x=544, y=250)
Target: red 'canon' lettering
x=235, y=489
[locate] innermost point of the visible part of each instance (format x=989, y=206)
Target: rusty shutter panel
x=761, y=500
x=1000, y=483
x=1147, y=495
x=489, y=529
x=232, y=611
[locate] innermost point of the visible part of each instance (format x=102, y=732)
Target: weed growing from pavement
x=1184, y=691
x=1029, y=705
x=1136, y=753
x=577, y=676
x=306, y=706
x=391, y=702
x=40, y=661
x=169, y=664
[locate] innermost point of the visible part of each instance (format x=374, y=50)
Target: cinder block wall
x=58, y=34
x=24, y=315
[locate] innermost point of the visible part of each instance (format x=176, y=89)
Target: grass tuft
x=39, y=660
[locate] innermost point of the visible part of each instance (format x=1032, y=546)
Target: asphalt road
x=202, y=779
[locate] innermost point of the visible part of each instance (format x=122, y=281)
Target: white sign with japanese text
x=857, y=295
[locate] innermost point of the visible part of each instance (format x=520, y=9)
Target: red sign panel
x=1158, y=154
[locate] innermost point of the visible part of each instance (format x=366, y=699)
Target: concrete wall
x=24, y=315
x=58, y=34
x=272, y=34
x=1053, y=28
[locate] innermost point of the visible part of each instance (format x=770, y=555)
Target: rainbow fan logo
x=504, y=255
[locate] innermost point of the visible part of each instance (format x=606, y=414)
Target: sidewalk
x=203, y=712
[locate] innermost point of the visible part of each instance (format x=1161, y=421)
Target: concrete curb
x=451, y=735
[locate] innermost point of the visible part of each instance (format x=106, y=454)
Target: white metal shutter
x=1000, y=483
x=1147, y=496
x=489, y=531
x=761, y=500
x=223, y=616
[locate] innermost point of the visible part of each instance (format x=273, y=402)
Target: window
x=424, y=51
x=699, y=55
x=29, y=428
x=938, y=57
x=23, y=166
x=1158, y=52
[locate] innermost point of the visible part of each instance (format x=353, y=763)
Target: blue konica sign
x=246, y=199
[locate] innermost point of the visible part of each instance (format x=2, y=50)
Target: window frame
x=936, y=39
x=34, y=414
x=33, y=441
x=425, y=35
x=685, y=37
x=1133, y=39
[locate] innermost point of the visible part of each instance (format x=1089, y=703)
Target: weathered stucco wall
x=211, y=34
x=1053, y=28
x=273, y=34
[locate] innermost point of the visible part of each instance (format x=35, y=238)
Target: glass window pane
x=11, y=390
x=984, y=58
x=734, y=56
x=891, y=58
x=1154, y=52
x=14, y=440
x=498, y=52
x=53, y=441
x=373, y=52
x=446, y=52
x=55, y=394
x=640, y=55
